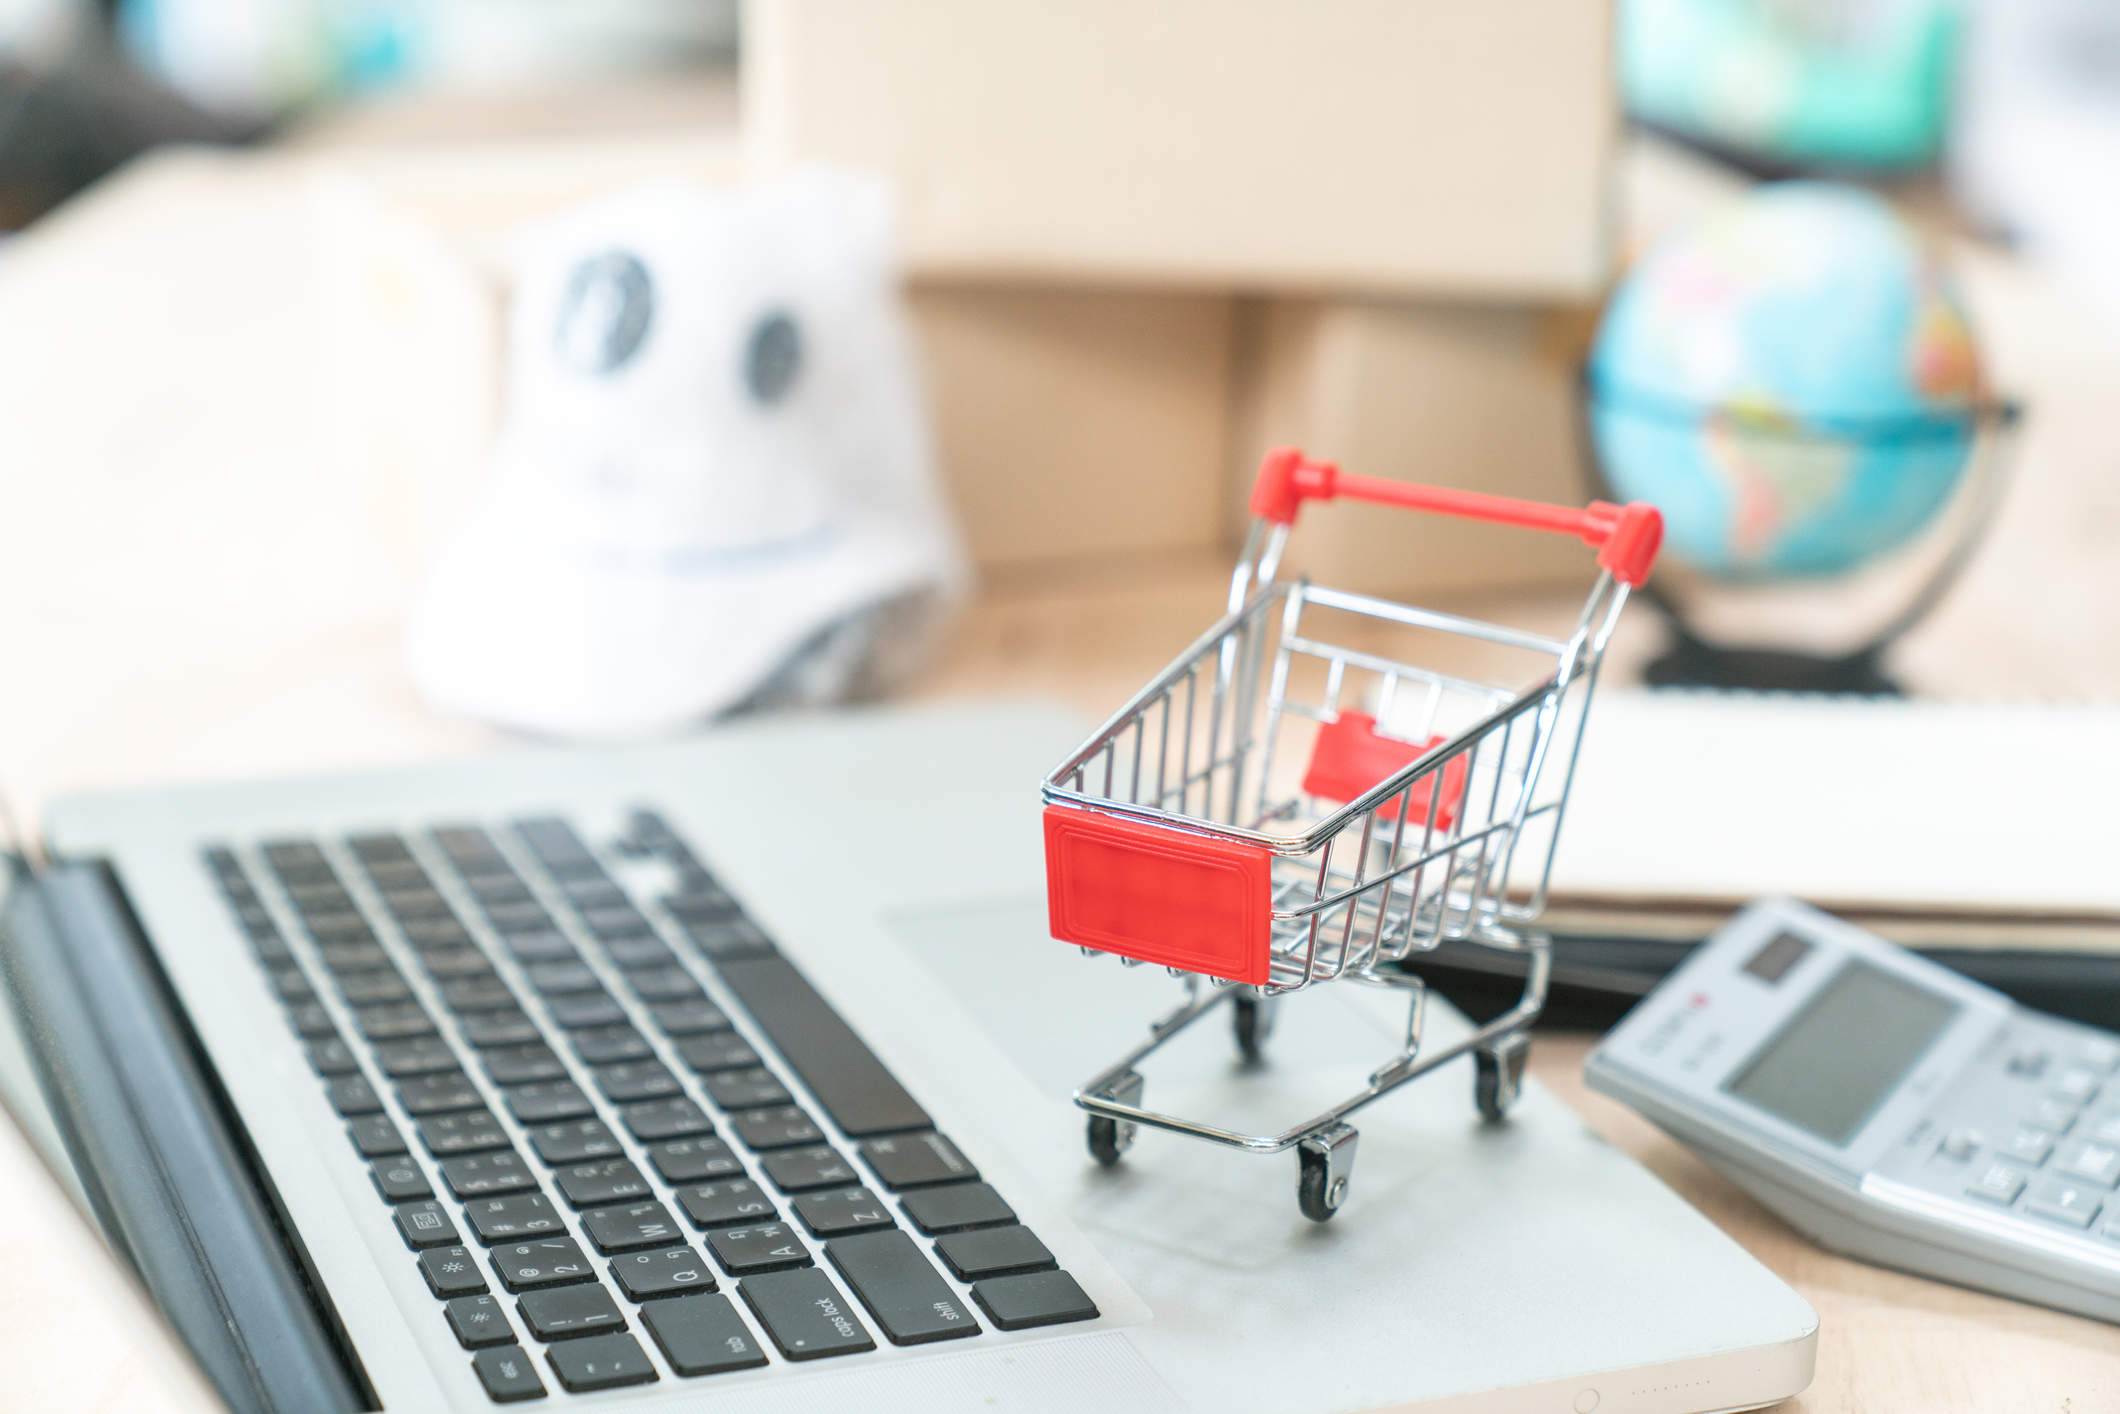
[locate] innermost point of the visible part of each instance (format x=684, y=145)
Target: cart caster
x=1499, y=1078
x=1326, y=1162
x=1252, y=1018
x=1109, y=1137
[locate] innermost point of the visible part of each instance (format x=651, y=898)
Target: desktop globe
x=1794, y=383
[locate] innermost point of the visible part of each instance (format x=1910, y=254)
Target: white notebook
x=1934, y=822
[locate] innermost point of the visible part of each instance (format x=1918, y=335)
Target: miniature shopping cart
x=1290, y=803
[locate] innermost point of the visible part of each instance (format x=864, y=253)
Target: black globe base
x=1691, y=662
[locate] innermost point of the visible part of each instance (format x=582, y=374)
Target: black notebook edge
x=168, y=1172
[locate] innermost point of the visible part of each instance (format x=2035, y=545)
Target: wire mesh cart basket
x=1292, y=802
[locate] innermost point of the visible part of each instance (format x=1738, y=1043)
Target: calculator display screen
x=1831, y=1065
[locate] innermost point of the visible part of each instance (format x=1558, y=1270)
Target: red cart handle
x=1626, y=538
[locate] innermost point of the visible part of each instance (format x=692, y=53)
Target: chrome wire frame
x=1351, y=894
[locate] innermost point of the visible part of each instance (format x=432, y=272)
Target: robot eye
x=772, y=358
x=604, y=312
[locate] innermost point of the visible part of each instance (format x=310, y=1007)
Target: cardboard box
x=1473, y=396
x=1073, y=424
x=1402, y=146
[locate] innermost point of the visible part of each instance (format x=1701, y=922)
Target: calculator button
x=2028, y=1060
x=1959, y=1144
x=2075, y=1085
x=2051, y=1114
x=2093, y=1163
x=2099, y=1055
x=2031, y=1146
x=2105, y=1129
x=1998, y=1183
x=2057, y=1201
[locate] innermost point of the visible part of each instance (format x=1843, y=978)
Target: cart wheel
x=1315, y=1194
x=1105, y=1145
x=1499, y=1077
x=1252, y=1018
x=1325, y=1164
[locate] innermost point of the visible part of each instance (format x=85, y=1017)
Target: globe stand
x=1692, y=660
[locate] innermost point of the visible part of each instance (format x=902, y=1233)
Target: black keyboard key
x=420, y=1055
x=665, y=1119
x=664, y=984
x=399, y=1180
x=487, y=1175
x=860, y=1095
x=601, y=1362
x=692, y=1017
x=593, y=1185
x=343, y=958
x=639, y=952
x=607, y=1045
x=373, y=987
x=352, y=1096
x=842, y=1211
x=377, y=847
x=465, y=842
x=556, y=845
x=570, y=1312
x=666, y=1271
x=548, y=1261
x=488, y=1029
x=523, y=1065
x=416, y=903
x=727, y=938
x=478, y=1322
x=439, y=1094
x=691, y=1160
x=455, y=964
x=904, y=1293
x=311, y=1022
x=449, y=1135
x=347, y=927
x=562, y=979
x=375, y=1137
x=435, y=934
x=636, y=1080
x=451, y=1271
x=291, y=985
x=702, y=1335
x=398, y=875
x=746, y=1089
x=549, y=1103
x=700, y=900
x=585, y=1009
x=956, y=1207
x=488, y=993
x=803, y=1315
x=528, y=948
x=507, y=1375
x=627, y=1227
x=1034, y=1299
x=586, y=890
x=737, y=1200
x=724, y=1050
x=916, y=1160
x=800, y=1170
x=522, y=917
x=500, y=888
x=576, y=1142
x=757, y=1247
x=993, y=1252
x=393, y=1021
x=425, y=1224
x=615, y=920
x=515, y=1218
x=777, y=1127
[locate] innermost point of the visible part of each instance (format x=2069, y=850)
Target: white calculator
x=1887, y=1106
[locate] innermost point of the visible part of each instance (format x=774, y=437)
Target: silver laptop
x=736, y=1074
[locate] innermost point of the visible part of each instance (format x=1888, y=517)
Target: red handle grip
x=1626, y=538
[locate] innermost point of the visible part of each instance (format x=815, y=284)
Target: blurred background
x=254, y=361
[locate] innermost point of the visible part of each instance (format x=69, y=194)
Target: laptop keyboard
x=585, y=1152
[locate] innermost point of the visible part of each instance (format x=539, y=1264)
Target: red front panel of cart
x=1161, y=895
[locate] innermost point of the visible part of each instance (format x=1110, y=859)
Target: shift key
x=901, y=1288
x=804, y=1315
